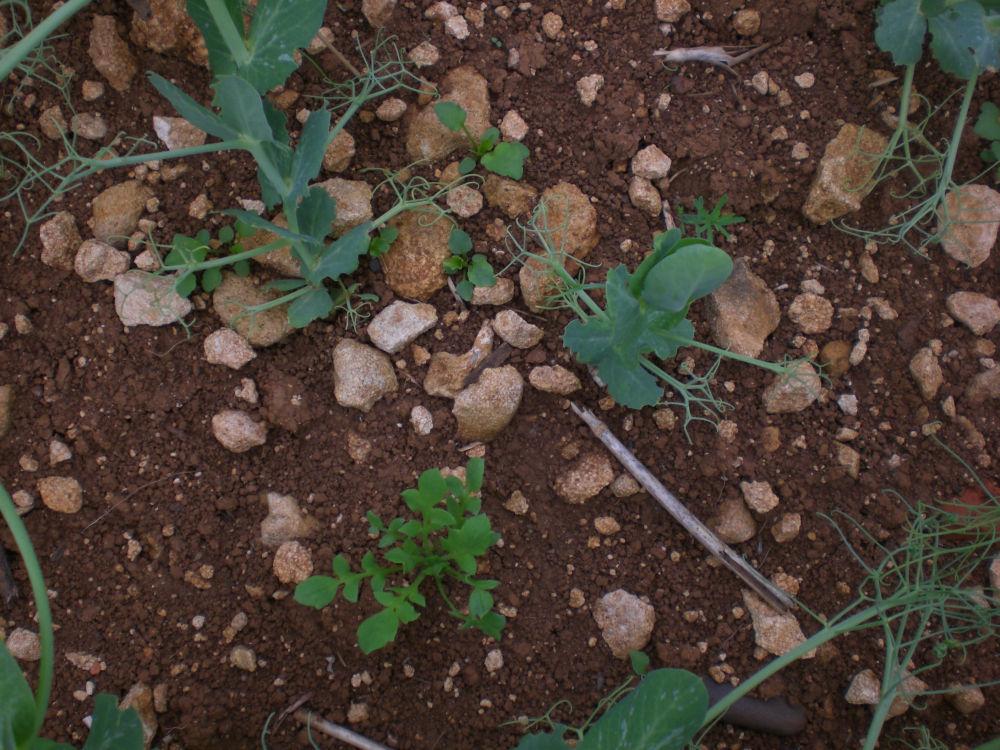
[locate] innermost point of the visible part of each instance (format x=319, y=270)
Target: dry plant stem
x=763, y=587
x=336, y=731
x=341, y=58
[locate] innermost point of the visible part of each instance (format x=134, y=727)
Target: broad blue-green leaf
x=544, y=741
x=480, y=271
x=316, y=213
x=466, y=165
x=199, y=116
x=312, y=305
x=317, y=591
x=308, y=157
x=589, y=340
x=692, y=272
x=241, y=108
x=220, y=58
x=629, y=383
x=639, y=661
x=451, y=115
x=113, y=729
x=378, y=630
x=662, y=340
x=40, y=743
x=480, y=602
x=960, y=40
x=900, y=29
x=466, y=289
x=259, y=222
x=663, y=713
x=459, y=241
x=507, y=159
x=17, y=707
x=210, y=279
x=342, y=256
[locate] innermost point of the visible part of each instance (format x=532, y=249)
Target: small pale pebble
x=59, y=452
x=494, y=661
x=226, y=347
x=458, y=27
x=759, y=496
x=517, y=503
x=576, y=598
x=787, y=527
x=805, y=80
x=552, y=25
x=513, y=127
x=625, y=485
x=199, y=207
x=761, y=82
x=665, y=419
x=860, y=350
x=243, y=658
x=421, y=420
x=606, y=525
x=292, y=563
x=24, y=645
x=91, y=90
x=424, y=55
x=247, y=391
x=869, y=271
x=848, y=404
x=800, y=151
x=588, y=86
x=391, y=109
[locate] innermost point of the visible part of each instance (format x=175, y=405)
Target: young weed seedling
x=505, y=158
x=441, y=543
x=706, y=223
x=21, y=714
x=663, y=712
x=644, y=316
x=187, y=252
x=477, y=269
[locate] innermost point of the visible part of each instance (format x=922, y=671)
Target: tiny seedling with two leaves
x=505, y=158
x=441, y=542
x=706, y=223
x=476, y=269
x=21, y=713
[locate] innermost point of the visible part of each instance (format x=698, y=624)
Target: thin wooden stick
x=336, y=731
x=763, y=587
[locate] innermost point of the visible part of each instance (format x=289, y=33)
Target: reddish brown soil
x=135, y=409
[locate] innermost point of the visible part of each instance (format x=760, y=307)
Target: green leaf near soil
x=113, y=729
x=507, y=159
x=451, y=115
x=17, y=709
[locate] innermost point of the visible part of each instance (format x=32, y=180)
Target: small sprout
x=706, y=223
x=382, y=241
x=505, y=158
x=441, y=543
x=478, y=271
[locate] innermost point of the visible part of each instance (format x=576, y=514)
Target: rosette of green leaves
x=505, y=158
x=646, y=313
x=476, y=268
x=440, y=542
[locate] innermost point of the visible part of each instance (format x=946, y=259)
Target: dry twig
x=763, y=587
x=721, y=57
x=336, y=731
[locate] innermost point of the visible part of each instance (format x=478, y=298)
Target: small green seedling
x=477, y=269
x=988, y=128
x=505, y=158
x=186, y=252
x=442, y=543
x=663, y=712
x=706, y=223
x=21, y=713
x=382, y=241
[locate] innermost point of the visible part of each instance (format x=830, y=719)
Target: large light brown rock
x=237, y=431
x=111, y=54
x=447, y=372
x=428, y=139
x=775, y=632
x=844, y=175
x=231, y=300
x=743, y=312
x=983, y=386
x=170, y=29
x=926, y=371
x=140, y=698
x=378, y=12
x=487, y=406
x=569, y=220
x=413, y=264
x=733, y=522
x=976, y=311
x=794, y=391
x=510, y=196
x=116, y=211
x=353, y=199
x=285, y=521
x=968, y=220
x=142, y=299
x=97, y=261
x=60, y=240
x=626, y=622
x=361, y=375
x=176, y=132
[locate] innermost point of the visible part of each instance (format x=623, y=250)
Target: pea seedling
x=663, y=712
x=706, y=223
x=441, y=543
x=505, y=158
x=645, y=315
x=21, y=714
x=477, y=269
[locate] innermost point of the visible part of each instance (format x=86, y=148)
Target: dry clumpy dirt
x=166, y=550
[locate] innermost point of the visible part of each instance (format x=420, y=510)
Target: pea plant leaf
x=199, y=116
x=308, y=157
x=507, y=159
x=691, y=272
x=988, y=123
x=480, y=272
x=313, y=305
x=900, y=30
x=544, y=741
x=343, y=255
x=664, y=712
x=113, y=729
x=378, y=630
x=961, y=40
x=278, y=28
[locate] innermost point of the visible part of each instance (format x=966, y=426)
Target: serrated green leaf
x=317, y=591
x=664, y=712
x=113, y=729
x=459, y=241
x=17, y=709
x=474, y=472
x=686, y=275
x=378, y=630
x=313, y=305
x=431, y=486
x=507, y=159
x=480, y=272
x=451, y=115
x=900, y=29
x=343, y=255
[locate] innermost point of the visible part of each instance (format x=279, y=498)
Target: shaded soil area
x=135, y=407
